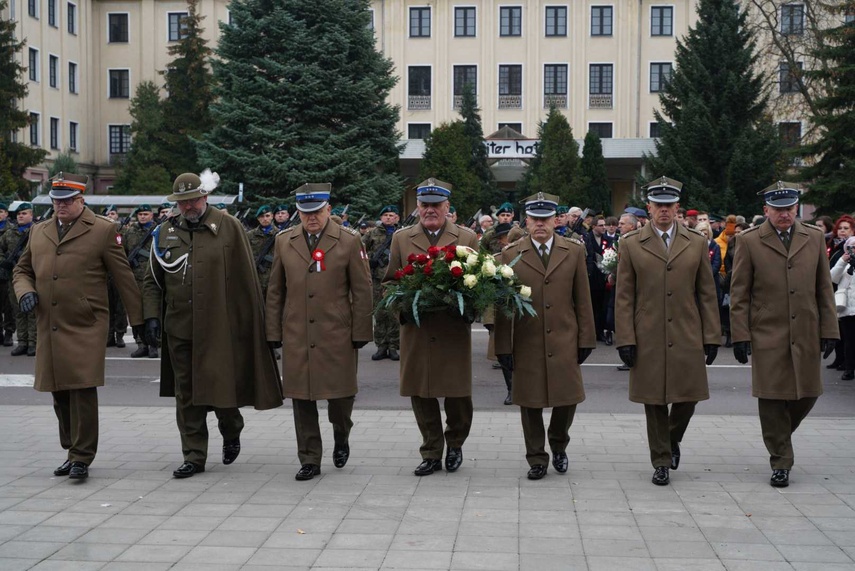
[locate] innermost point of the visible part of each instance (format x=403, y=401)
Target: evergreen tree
x=302, y=97
x=15, y=157
x=145, y=169
x=715, y=137
x=490, y=194
x=447, y=158
x=188, y=82
x=64, y=162
x=832, y=173
x=554, y=169
x=593, y=171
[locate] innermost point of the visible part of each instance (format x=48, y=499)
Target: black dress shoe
x=834, y=365
x=340, y=454
x=848, y=376
x=152, y=352
x=19, y=350
x=380, y=355
x=187, y=469
x=141, y=351
x=728, y=341
x=610, y=339
x=453, y=459
x=622, y=368
x=231, y=450
x=78, y=471
x=537, y=472
x=307, y=472
x=393, y=355
x=509, y=398
x=780, y=478
x=660, y=476
x=675, y=456
x=111, y=340
x=560, y=462
x=7, y=339
x=64, y=469
x=120, y=340
x=428, y=467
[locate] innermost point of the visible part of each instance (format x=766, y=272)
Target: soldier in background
x=7, y=317
x=137, y=242
x=261, y=241
x=118, y=318
x=377, y=244
x=165, y=211
x=280, y=216
x=12, y=246
x=504, y=215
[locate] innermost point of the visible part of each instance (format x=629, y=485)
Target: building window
x=602, y=130
x=33, y=8
x=418, y=130
x=556, y=21
x=72, y=77
x=510, y=21
x=53, y=71
x=515, y=126
x=177, y=25
x=601, y=20
x=555, y=86
x=419, y=88
x=660, y=75
x=464, y=74
x=600, y=91
x=33, y=69
x=790, y=134
x=117, y=25
x=464, y=22
x=655, y=130
x=370, y=21
x=51, y=13
x=420, y=22
x=72, y=135
x=788, y=78
x=54, y=133
x=792, y=19
x=34, y=129
x=72, y=19
x=510, y=87
x=848, y=18
x=661, y=21
x=120, y=84
x=120, y=139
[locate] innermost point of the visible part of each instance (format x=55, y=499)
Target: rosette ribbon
x=318, y=257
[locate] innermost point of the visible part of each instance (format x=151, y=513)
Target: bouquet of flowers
x=608, y=262
x=457, y=280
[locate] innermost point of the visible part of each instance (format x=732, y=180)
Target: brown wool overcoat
x=783, y=303
x=436, y=358
x=72, y=316
x=319, y=314
x=666, y=305
x=545, y=348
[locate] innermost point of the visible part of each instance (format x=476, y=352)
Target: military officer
x=261, y=242
x=782, y=313
x=165, y=211
x=504, y=215
x=201, y=282
x=280, y=216
x=7, y=317
x=378, y=242
x=666, y=314
x=436, y=357
x=561, y=219
x=137, y=241
x=12, y=245
x=319, y=306
x=62, y=277
x=545, y=351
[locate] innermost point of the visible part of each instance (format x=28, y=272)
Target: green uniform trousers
x=310, y=449
x=7, y=317
x=77, y=413
x=535, y=435
x=25, y=323
x=191, y=418
x=458, y=413
x=778, y=420
x=387, y=328
x=665, y=430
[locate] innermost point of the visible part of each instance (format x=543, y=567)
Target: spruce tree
x=490, y=194
x=715, y=137
x=593, y=173
x=15, y=157
x=188, y=83
x=64, y=162
x=832, y=173
x=447, y=157
x=302, y=97
x=554, y=169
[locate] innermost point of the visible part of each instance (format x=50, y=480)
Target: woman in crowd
x=843, y=230
x=728, y=271
x=842, y=275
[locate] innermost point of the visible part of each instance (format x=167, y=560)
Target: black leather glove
x=28, y=302
x=359, y=344
x=139, y=331
x=584, y=353
x=402, y=318
x=274, y=344
x=152, y=330
x=506, y=361
x=711, y=351
x=827, y=345
x=627, y=355
x=489, y=327
x=741, y=350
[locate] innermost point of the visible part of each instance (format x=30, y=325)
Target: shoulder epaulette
x=286, y=230
x=404, y=228
x=351, y=230
x=104, y=218
x=514, y=243
x=630, y=233
x=698, y=232
x=749, y=230
x=811, y=226
x=574, y=240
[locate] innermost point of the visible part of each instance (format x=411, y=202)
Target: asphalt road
x=134, y=382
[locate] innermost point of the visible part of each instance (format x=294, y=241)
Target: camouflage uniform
x=386, y=326
x=25, y=323
x=7, y=317
x=258, y=239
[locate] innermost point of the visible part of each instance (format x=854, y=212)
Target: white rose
x=525, y=291
x=506, y=271
x=472, y=260
x=488, y=269
x=455, y=264
x=469, y=280
x=463, y=251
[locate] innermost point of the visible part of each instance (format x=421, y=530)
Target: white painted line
x=17, y=380
x=139, y=360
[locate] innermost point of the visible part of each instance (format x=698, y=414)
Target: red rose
x=434, y=251
x=449, y=257
x=409, y=270
x=422, y=258
x=411, y=258
x=399, y=274
x=451, y=248
x=457, y=271
x=428, y=269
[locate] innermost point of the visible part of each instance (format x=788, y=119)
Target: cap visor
x=60, y=193
x=310, y=206
x=783, y=202
x=540, y=213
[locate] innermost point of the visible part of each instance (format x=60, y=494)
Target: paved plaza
x=719, y=512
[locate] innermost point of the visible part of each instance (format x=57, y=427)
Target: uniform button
x=549, y=330
x=56, y=277
x=793, y=343
x=53, y=303
x=312, y=345
x=546, y=281
x=670, y=319
x=669, y=294
x=548, y=306
x=789, y=266
x=311, y=321
x=54, y=327
x=432, y=339
x=311, y=295
x=670, y=344
x=792, y=291
x=794, y=316
x=669, y=267
x=549, y=354
x=58, y=252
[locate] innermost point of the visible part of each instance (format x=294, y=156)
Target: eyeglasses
x=62, y=201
